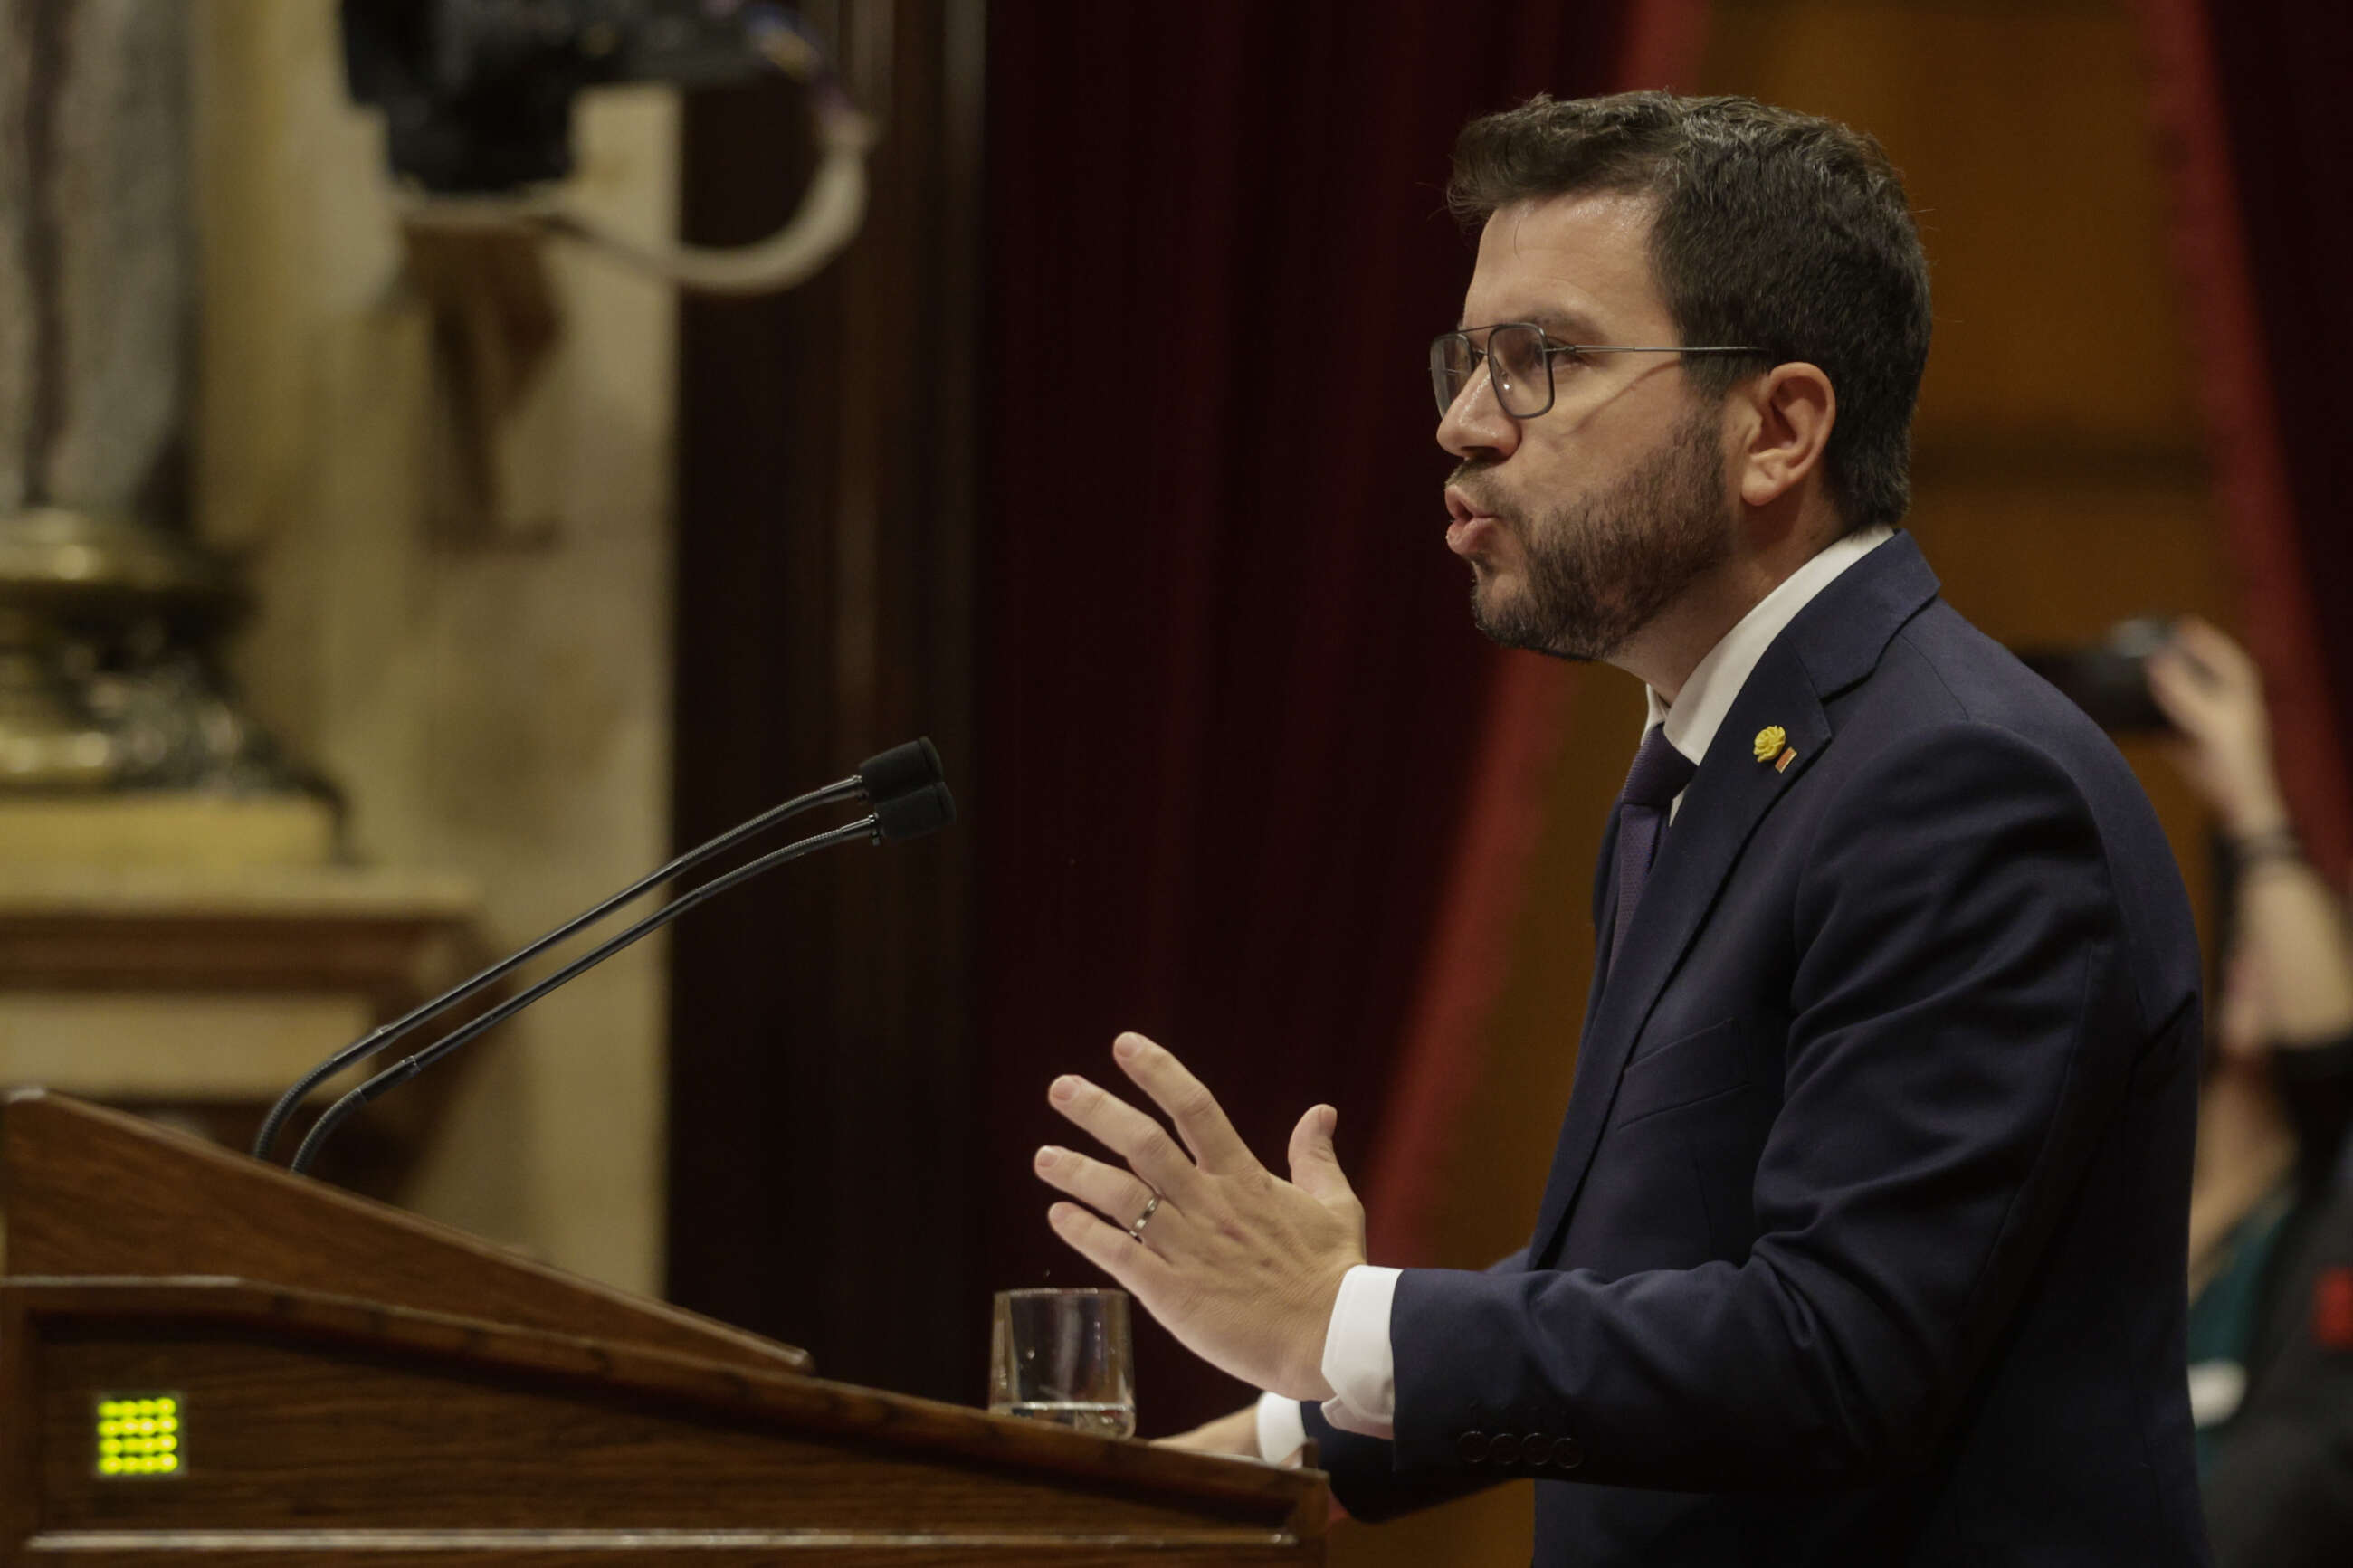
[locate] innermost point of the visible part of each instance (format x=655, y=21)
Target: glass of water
x=1063, y=1356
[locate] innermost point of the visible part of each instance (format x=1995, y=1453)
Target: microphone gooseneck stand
x=400, y=1072
x=384, y=1035
x=904, y=786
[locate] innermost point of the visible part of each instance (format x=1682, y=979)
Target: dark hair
x=1775, y=228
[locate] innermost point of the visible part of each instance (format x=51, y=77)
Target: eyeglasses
x=1519, y=363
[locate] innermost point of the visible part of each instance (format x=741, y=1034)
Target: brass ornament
x=107, y=675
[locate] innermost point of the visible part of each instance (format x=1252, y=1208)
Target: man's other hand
x=1243, y=1267
x=1235, y=1435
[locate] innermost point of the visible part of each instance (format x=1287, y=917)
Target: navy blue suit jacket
x=1865, y=1241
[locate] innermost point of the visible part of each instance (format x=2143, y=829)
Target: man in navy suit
x=1864, y=1239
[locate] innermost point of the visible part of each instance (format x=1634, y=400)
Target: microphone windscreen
x=899, y=771
x=914, y=814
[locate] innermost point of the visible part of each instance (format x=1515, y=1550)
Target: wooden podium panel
x=95, y=1192
x=317, y=1425
x=337, y=1429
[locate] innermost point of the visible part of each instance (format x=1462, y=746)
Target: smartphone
x=2109, y=680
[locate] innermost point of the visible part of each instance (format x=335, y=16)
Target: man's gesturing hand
x=1240, y=1265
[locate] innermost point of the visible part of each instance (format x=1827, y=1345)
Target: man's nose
x=1476, y=424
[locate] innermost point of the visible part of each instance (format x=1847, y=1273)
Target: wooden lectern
x=204, y=1359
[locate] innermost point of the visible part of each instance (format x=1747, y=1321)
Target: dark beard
x=1601, y=568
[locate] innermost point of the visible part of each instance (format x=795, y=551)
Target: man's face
x=1581, y=524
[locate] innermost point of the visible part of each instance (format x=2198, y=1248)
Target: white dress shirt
x=1357, y=1361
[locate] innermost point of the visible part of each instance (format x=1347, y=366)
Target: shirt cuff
x=1357, y=1361
x=1281, y=1430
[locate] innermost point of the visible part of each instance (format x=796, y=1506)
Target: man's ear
x=1795, y=408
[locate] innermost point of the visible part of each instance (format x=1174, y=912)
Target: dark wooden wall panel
x=820, y=1073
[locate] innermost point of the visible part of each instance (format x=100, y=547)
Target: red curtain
x=2249, y=97
x=1233, y=712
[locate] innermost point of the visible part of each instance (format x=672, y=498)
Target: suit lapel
x=1832, y=644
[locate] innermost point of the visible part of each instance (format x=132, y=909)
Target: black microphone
x=890, y=782
x=914, y=814
x=902, y=769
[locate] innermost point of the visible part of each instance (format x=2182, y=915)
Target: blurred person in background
x=2271, y=1218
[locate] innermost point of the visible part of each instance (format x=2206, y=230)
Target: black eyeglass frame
x=1550, y=348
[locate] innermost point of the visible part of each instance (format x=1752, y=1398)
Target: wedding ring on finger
x=1135, y=1231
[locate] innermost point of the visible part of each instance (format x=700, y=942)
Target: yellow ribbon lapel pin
x=1773, y=746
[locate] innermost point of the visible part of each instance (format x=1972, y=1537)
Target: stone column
x=95, y=255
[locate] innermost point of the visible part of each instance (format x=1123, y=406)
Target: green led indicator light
x=139, y=1437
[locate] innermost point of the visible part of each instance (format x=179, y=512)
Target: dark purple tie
x=1659, y=774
